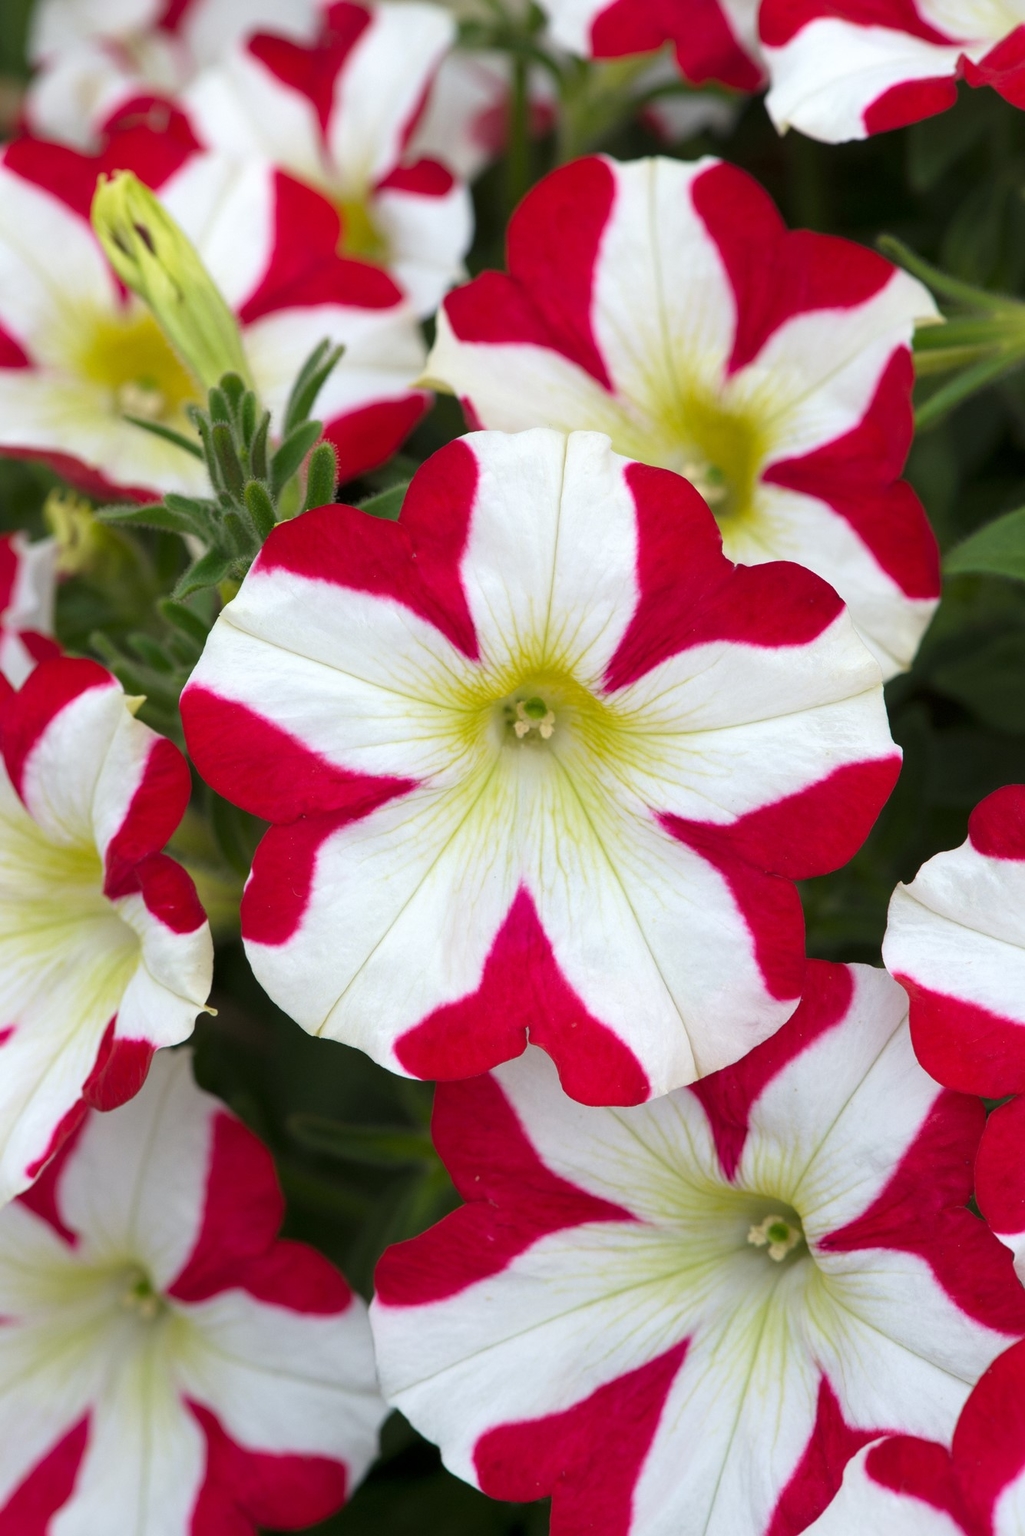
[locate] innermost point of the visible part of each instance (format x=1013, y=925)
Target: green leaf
x=988, y=682
x=150, y=651
x=962, y=386
x=218, y=404
x=941, y=282
x=232, y=474
x=211, y=568
x=386, y=504
x=233, y=388
x=310, y=380
x=158, y=515
x=321, y=477
x=260, y=508
x=184, y=618
x=238, y=534
x=258, y=464
x=382, y=1146
x=247, y=416
x=290, y=455
x=168, y=434
x=998, y=549
x=934, y=146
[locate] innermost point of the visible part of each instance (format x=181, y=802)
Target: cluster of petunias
x=542, y=760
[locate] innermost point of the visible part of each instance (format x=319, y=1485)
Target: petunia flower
x=604, y=1322
x=666, y=304
x=93, y=62
x=167, y=1367
x=339, y=114
x=78, y=356
x=955, y=939
x=28, y=581
x=842, y=70
x=909, y=1487
x=538, y=757
x=105, y=952
x=714, y=40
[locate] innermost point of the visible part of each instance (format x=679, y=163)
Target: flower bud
x=155, y=259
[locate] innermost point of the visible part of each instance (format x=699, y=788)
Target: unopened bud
x=155, y=259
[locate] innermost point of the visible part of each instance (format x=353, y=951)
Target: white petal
x=379, y=89
x=137, y=1183
x=146, y=1455
x=551, y=554
x=957, y=929
x=284, y=1382
x=827, y=76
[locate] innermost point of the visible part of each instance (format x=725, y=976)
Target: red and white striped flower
x=841, y=69
x=955, y=939
x=94, y=61
x=538, y=757
x=715, y=40
x=666, y=304
x=77, y=355
x=339, y=114
x=687, y=1316
x=910, y=1487
x=28, y=582
x=105, y=952
x=167, y=1367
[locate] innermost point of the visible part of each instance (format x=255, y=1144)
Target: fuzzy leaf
x=321, y=477
x=290, y=455
x=157, y=515
x=207, y=571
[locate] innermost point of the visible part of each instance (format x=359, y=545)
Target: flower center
x=140, y=1297
x=780, y=1235
x=360, y=235
x=527, y=716
x=129, y=356
x=721, y=455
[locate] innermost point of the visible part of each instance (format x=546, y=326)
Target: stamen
x=778, y=1235
x=533, y=714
